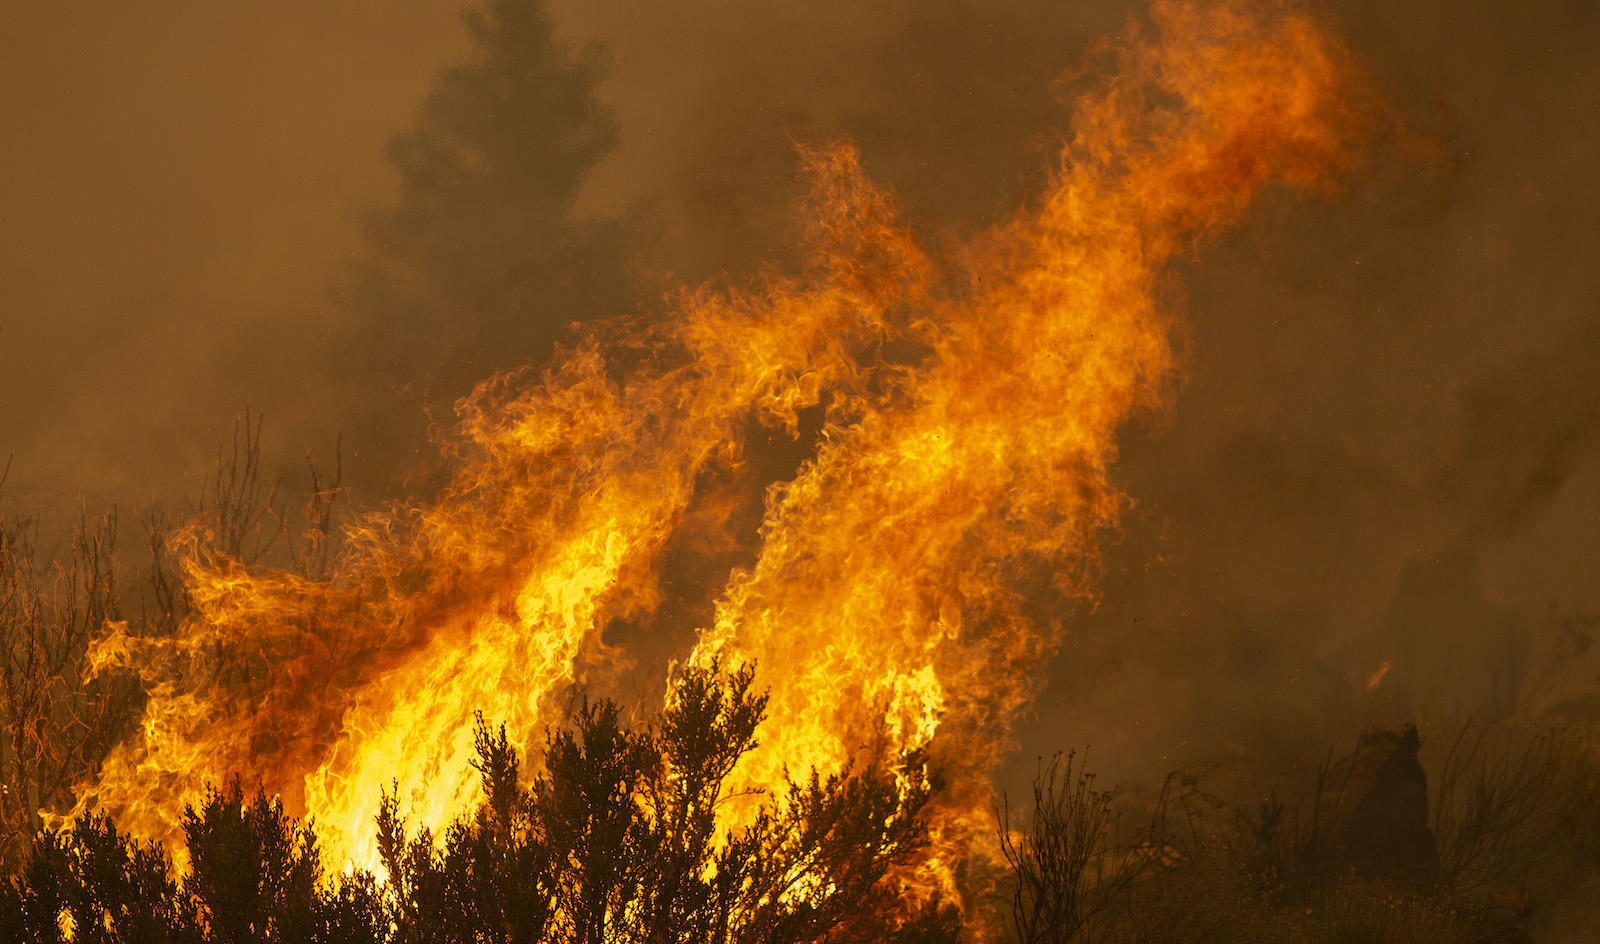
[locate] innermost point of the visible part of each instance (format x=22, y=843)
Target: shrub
x=616, y=840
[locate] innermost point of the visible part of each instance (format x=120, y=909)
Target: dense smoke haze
x=1373, y=498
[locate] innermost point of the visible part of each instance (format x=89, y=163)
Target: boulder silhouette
x=1369, y=814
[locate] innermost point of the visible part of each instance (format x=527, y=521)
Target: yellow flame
x=912, y=575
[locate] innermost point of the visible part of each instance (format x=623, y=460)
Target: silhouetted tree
x=480, y=263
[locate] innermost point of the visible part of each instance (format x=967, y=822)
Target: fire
x=911, y=577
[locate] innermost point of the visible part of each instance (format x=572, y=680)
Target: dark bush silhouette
x=615, y=840
x=1067, y=866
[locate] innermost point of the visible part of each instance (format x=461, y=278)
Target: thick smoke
x=1384, y=449
x=1383, y=453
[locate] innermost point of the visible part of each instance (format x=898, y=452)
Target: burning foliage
x=911, y=574
x=58, y=723
x=617, y=839
x=955, y=413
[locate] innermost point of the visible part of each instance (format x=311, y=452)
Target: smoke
x=1383, y=451
x=177, y=184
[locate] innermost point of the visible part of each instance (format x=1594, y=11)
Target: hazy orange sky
x=177, y=181
x=180, y=182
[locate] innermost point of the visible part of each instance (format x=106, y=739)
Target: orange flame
x=911, y=576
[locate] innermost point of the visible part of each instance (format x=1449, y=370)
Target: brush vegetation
x=616, y=839
x=609, y=833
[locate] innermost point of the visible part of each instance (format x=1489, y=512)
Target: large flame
x=910, y=577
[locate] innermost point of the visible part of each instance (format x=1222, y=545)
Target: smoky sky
x=176, y=183
x=1383, y=450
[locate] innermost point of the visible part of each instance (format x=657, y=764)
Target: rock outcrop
x=1369, y=815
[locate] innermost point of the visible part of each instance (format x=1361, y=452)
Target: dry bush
x=1516, y=818
x=1376, y=913
x=58, y=717
x=58, y=724
x=1072, y=872
x=1199, y=869
x=616, y=840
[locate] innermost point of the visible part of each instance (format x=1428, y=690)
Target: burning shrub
x=615, y=840
x=56, y=721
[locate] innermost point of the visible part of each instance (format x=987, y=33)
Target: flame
x=913, y=574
